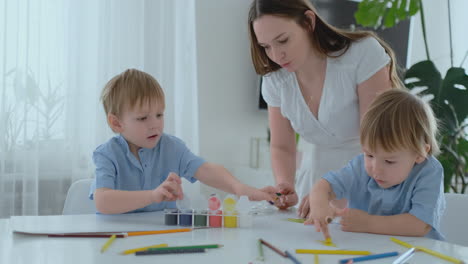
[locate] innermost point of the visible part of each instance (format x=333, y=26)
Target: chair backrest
x=455, y=219
x=77, y=201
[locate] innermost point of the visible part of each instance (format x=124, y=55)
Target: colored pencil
x=332, y=252
x=399, y=242
x=97, y=235
x=131, y=251
x=370, y=257
x=428, y=251
x=170, y=251
x=108, y=243
x=260, y=257
x=185, y=247
x=316, y=259
x=296, y=220
x=439, y=255
x=405, y=256
x=156, y=232
x=292, y=258
x=281, y=253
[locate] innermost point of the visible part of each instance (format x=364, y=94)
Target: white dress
x=334, y=135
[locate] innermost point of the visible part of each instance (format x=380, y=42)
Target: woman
x=318, y=81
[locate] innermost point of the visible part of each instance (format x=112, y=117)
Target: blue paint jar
x=185, y=217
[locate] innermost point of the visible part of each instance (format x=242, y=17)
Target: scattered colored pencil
x=370, y=257
x=260, y=257
x=185, y=247
x=405, y=256
x=281, y=253
x=296, y=220
x=97, y=235
x=292, y=258
x=170, y=251
x=428, y=251
x=131, y=251
x=332, y=252
x=156, y=232
x=108, y=243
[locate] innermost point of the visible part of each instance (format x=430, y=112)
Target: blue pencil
x=290, y=256
x=370, y=257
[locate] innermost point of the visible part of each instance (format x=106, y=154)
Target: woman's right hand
x=288, y=196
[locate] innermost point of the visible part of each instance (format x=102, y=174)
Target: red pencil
x=281, y=253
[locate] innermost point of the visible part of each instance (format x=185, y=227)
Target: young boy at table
x=396, y=186
x=138, y=170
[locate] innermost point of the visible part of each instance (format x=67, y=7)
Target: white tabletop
x=240, y=244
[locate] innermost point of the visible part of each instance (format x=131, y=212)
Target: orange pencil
x=155, y=232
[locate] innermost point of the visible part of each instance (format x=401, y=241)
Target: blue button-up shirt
x=421, y=194
x=117, y=168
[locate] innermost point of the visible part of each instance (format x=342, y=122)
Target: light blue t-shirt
x=421, y=194
x=117, y=168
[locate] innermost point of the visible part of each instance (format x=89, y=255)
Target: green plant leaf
x=458, y=97
x=425, y=74
x=375, y=13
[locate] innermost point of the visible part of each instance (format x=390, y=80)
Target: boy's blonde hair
x=128, y=89
x=397, y=120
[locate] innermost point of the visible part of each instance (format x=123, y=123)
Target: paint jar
x=230, y=219
x=200, y=218
x=185, y=217
x=171, y=216
x=216, y=218
x=245, y=220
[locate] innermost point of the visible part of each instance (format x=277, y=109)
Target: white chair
x=77, y=201
x=455, y=219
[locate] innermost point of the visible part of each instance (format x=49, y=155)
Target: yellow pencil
x=439, y=255
x=402, y=243
x=428, y=251
x=316, y=259
x=332, y=252
x=131, y=251
x=108, y=243
x=155, y=232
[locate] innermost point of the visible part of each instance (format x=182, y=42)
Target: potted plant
x=449, y=94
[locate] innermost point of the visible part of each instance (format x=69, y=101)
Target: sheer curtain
x=55, y=57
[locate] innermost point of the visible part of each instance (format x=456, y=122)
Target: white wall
x=227, y=83
x=437, y=28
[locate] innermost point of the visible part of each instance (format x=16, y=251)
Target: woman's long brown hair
x=326, y=38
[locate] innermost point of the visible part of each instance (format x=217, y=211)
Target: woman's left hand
x=304, y=207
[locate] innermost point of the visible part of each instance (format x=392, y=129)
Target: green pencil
x=186, y=247
x=260, y=257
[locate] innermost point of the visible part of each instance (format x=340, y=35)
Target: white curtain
x=55, y=57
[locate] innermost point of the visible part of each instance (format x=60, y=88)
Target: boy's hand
x=320, y=216
x=255, y=194
x=169, y=190
x=353, y=220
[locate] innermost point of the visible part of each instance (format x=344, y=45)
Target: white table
x=240, y=244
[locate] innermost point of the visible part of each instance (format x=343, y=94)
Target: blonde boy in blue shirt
x=396, y=186
x=138, y=170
